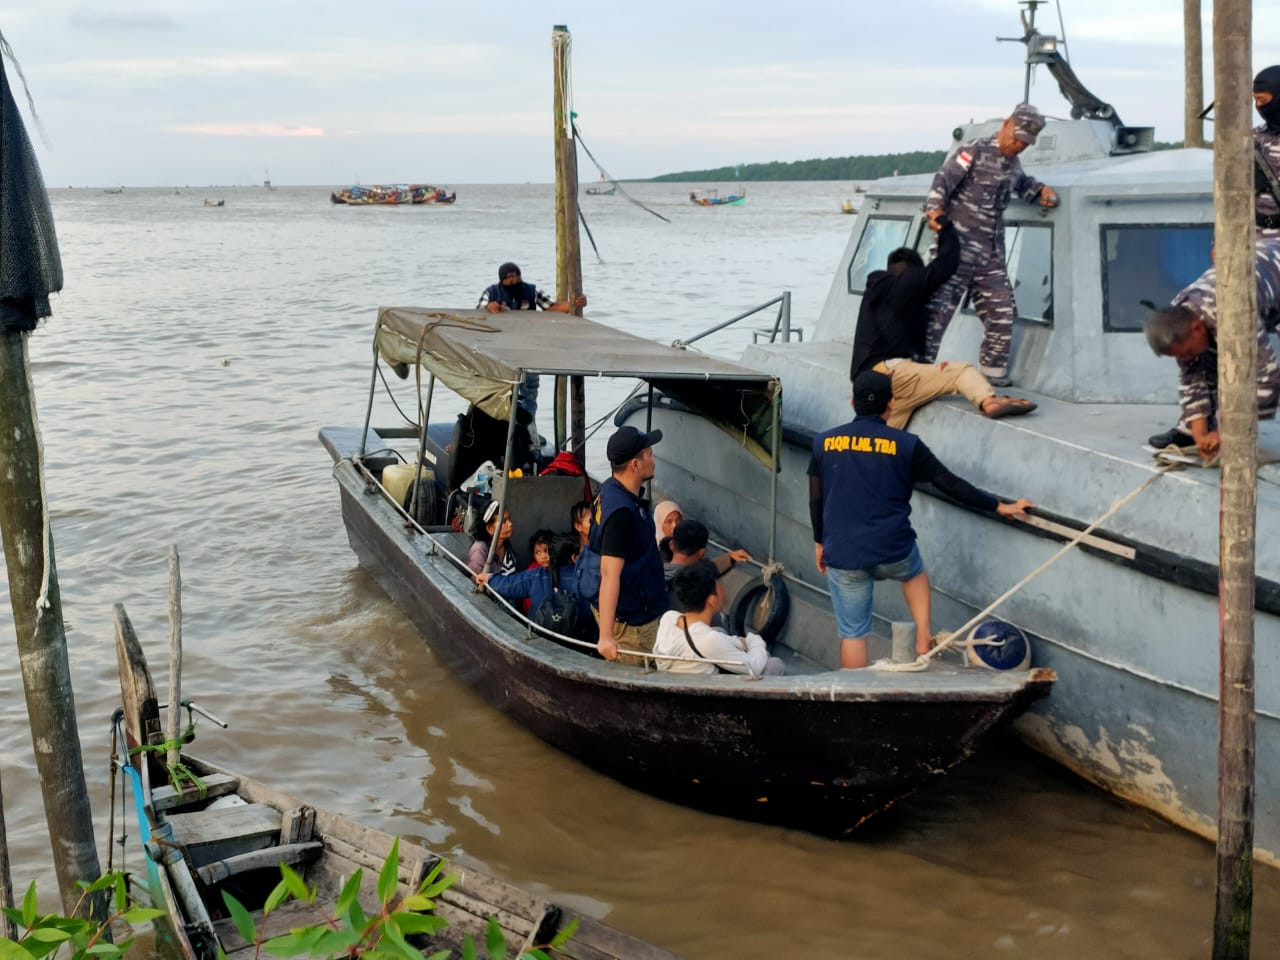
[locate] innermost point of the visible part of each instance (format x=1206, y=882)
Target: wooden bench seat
x=224, y=832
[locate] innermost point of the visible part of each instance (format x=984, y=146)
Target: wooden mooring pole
x=1193, y=61
x=568, y=241
x=37, y=618
x=7, y=928
x=1238, y=424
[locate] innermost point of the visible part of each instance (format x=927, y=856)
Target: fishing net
x=30, y=265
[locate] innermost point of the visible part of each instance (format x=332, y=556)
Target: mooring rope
x=955, y=638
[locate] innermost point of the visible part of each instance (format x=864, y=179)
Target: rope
x=922, y=661
x=577, y=135
x=179, y=773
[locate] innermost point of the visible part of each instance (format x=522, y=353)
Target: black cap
x=625, y=445
x=872, y=392
x=506, y=270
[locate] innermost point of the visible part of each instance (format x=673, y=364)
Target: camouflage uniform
x=972, y=189
x=1198, y=376
x=1265, y=207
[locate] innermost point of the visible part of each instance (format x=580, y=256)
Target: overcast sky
x=197, y=92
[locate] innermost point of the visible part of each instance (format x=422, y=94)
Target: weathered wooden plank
x=282, y=919
x=297, y=825
x=290, y=853
x=217, y=834
x=215, y=785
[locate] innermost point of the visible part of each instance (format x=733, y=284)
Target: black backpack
x=560, y=611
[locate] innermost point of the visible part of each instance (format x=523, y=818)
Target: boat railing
x=781, y=324
x=438, y=548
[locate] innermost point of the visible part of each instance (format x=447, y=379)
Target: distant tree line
x=862, y=167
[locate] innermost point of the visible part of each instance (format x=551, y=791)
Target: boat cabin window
x=880, y=237
x=1148, y=262
x=1028, y=253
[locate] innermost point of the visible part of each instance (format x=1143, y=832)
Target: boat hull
x=1135, y=707
x=823, y=752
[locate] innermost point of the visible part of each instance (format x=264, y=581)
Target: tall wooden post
x=37, y=617
x=1238, y=422
x=1193, y=58
x=568, y=244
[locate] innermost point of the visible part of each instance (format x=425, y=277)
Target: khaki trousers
x=915, y=384
x=634, y=637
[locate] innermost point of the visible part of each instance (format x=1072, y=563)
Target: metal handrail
x=781, y=323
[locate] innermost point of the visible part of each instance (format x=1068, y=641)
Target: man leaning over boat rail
x=861, y=477
x=973, y=189
x=1266, y=205
x=633, y=587
x=512, y=293
x=891, y=332
x=1187, y=330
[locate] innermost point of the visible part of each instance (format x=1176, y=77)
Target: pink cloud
x=248, y=130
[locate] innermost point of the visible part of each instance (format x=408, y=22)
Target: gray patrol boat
x=1129, y=619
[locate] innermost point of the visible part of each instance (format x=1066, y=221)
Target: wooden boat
x=230, y=834
x=713, y=199
x=214, y=203
x=602, y=191
x=413, y=194
x=819, y=748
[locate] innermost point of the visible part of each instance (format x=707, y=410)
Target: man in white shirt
x=687, y=631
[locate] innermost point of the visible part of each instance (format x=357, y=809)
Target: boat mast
x=568, y=245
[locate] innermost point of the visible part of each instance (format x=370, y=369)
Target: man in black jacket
x=891, y=330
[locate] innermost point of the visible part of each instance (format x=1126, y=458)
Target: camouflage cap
x=1027, y=122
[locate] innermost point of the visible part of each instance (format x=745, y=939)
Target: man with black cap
x=972, y=190
x=861, y=476
x=633, y=587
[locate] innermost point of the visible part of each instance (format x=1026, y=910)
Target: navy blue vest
x=642, y=594
x=866, y=493
x=522, y=296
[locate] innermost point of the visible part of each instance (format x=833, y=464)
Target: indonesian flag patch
x=964, y=158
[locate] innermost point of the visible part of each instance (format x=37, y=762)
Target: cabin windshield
x=880, y=237
x=1028, y=253
x=1148, y=262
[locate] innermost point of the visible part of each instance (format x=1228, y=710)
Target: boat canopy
x=481, y=356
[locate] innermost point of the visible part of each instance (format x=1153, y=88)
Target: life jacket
x=520, y=296
x=642, y=594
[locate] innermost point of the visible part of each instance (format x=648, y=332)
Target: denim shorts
x=851, y=591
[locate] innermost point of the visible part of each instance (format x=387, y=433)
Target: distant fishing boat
x=114, y=190
x=394, y=195
x=214, y=203
x=267, y=182
x=713, y=199
x=608, y=191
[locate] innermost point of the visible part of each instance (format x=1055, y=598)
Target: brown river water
x=180, y=384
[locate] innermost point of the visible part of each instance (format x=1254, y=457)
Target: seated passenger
x=580, y=521
x=504, y=558
x=890, y=336
x=689, y=545
x=687, y=630
x=533, y=585
x=540, y=548
x=665, y=517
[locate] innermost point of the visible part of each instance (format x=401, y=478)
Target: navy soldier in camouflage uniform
x=1188, y=331
x=972, y=189
x=1266, y=138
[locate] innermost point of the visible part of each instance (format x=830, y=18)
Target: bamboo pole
x=37, y=618
x=175, y=657
x=1238, y=423
x=568, y=241
x=1193, y=60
